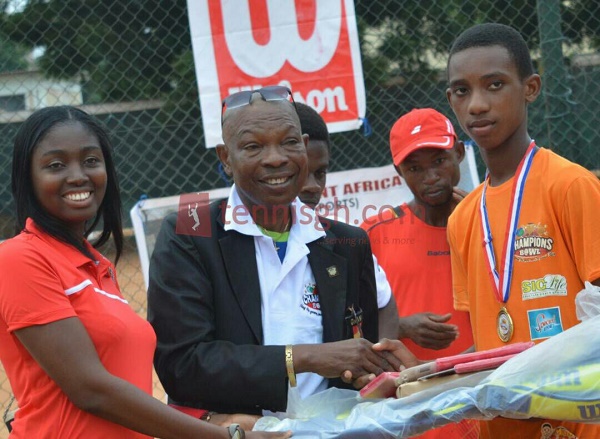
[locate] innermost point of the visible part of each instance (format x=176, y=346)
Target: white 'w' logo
x=285, y=43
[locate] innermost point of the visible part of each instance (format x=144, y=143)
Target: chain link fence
x=129, y=62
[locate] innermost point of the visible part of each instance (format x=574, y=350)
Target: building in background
x=24, y=91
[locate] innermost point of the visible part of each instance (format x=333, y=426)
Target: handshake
x=356, y=361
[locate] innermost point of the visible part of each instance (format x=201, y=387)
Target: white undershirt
x=289, y=308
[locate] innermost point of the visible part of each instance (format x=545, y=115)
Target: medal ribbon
x=501, y=281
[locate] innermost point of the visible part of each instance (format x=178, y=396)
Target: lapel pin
x=332, y=271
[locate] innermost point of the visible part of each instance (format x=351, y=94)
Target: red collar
x=77, y=258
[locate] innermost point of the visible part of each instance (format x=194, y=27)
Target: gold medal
x=505, y=326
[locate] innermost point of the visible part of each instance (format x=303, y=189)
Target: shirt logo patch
x=549, y=285
x=438, y=252
x=549, y=432
x=111, y=273
x=544, y=323
x=310, y=300
x=532, y=243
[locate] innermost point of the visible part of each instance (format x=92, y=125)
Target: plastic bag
x=566, y=388
x=587, y=302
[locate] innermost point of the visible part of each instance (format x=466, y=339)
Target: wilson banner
x=310, y=46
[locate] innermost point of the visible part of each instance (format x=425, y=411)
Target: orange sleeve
x=459, y=275
x=581, y=226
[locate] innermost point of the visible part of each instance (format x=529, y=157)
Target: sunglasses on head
x=270, y=93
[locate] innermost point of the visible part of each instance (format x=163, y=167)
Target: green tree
x=121, y=50
x=182, y=102
x=12, y=55
x=138, y=49
x=411, y=32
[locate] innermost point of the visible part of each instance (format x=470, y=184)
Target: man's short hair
x=496, y=34
x=312, y=123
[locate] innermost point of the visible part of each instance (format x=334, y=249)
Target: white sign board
x=358, y=194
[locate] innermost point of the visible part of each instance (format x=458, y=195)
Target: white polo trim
x=78, y=288
x=111, y=296
x=87, y=283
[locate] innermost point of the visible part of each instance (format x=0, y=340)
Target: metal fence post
x=555, y=79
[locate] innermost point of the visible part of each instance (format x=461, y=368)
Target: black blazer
x=204, y=303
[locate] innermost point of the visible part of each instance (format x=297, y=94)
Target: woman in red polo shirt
x=78, y=358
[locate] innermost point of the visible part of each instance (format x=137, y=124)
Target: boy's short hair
x=496, y=34
x=312, y=123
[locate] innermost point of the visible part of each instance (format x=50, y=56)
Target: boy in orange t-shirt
x=535, y=215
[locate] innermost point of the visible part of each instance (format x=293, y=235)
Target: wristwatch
x=236, y=432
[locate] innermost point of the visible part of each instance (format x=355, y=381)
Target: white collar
x=306, y=226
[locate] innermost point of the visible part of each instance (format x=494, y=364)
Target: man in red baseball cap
x=410, y=243
x=422, y=128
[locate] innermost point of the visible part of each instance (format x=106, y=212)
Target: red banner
x=310, y=46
